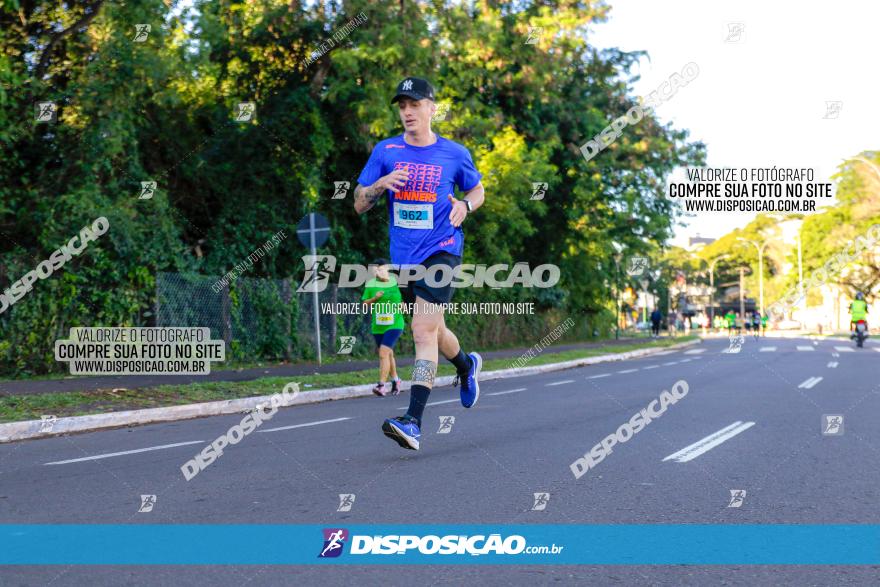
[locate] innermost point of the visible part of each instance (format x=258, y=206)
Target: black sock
x=418, y=397
x=461, y=361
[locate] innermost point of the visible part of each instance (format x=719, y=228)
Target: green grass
x=31, y=407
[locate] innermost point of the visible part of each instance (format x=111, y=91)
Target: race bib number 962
x=416, y=216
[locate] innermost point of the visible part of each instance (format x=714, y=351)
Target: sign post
x=313, y=231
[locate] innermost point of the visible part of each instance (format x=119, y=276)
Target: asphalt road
x=752, y=420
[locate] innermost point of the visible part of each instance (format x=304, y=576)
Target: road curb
x=30, y=429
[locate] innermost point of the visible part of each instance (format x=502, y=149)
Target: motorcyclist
x=858, y=310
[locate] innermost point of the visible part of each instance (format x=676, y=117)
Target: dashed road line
x=559, y=383
x=306, y=424
x=125, y=452
x=445, y=401
x=767, y=349
x=810, y=383
x=706, y=444
x=508, y=391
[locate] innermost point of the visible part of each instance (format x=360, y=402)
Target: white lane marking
x=694, y=450
x=688, y=360
x=767, y=349
x=835, y=354
x=598, y=376
x=877, y=349
x=695, y=351
x=508, y=391
x=662, y=353
x=559, y=382
x=805, y=348
x=651, y=367
x=125, y=452
x=304, y=425
x=445, y=401
x=809, y=383
x=833, y=364
x=844, y=349
x=628, y=371
x=670, y=363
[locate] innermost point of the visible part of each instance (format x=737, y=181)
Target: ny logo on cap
x=407, y=85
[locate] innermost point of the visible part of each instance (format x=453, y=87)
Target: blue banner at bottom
x=440, y=544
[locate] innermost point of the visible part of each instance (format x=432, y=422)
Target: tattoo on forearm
x=423, y=372
x=368, y=195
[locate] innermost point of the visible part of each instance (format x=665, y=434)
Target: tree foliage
x=163, y=109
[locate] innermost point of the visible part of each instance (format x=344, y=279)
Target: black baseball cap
x=415, y=88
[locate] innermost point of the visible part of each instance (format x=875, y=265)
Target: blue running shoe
x=404, y=431
x=470, y=383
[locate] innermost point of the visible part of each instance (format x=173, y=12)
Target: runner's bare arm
x=374, y=299
x=476, y=196
x=365, y=197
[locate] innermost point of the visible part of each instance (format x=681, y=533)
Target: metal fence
x=260, y=318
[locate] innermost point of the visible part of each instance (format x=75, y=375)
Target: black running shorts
x=435, y=295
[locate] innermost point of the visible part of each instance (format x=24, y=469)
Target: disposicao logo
x=334, y=540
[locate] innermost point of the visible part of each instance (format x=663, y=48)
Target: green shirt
x=731, y=319
x=386, y=310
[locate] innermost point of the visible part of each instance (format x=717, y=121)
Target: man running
x=731, y=321
x=387, y=323
x=656, y=317
x=419, y=170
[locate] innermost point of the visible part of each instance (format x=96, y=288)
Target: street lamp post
x=617, y=297
x=617, y=256
x=652, y=276
x=760, y=266
x=712, y=288
x=800, y=272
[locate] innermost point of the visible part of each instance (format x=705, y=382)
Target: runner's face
x=416, y=114
x=382, y=272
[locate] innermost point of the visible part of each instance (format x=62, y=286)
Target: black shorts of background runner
x=435, y=295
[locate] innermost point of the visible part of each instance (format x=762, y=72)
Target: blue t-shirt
x=419, y=212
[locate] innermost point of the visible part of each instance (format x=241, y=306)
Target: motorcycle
x=861, y=333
